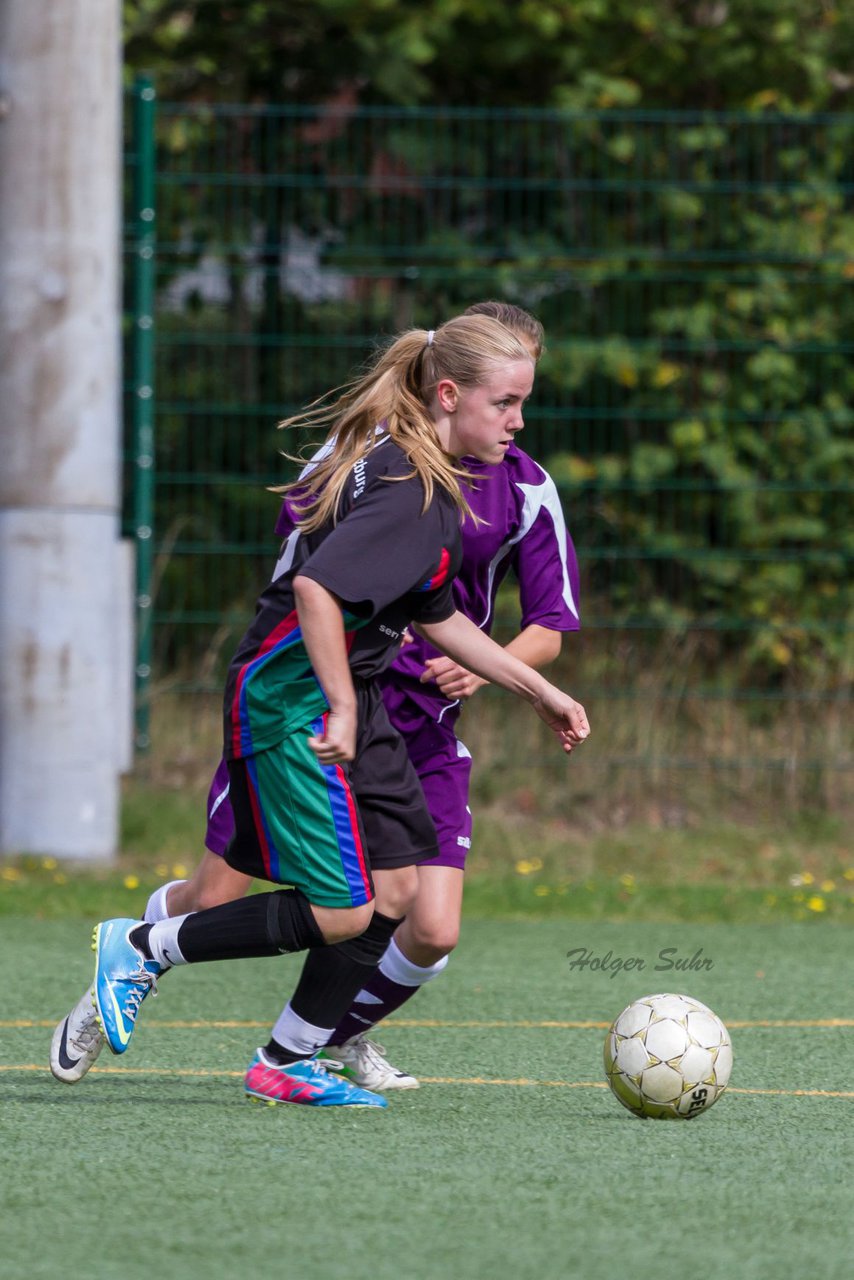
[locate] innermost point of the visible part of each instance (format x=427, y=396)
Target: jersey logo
x=360, y=478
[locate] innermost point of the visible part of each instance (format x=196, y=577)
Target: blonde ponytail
x=395, y=392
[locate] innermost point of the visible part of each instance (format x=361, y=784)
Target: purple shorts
x=443, y=766
x=219, y=812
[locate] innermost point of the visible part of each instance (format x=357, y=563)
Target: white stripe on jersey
x=551, y=502
x=536, y=497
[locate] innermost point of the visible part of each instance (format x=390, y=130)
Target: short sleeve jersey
x=522, y=530
x=388, y=561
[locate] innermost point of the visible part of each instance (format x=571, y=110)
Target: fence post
x=142, y=383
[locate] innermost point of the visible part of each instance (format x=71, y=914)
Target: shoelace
x=88, y=1036
x=374, y=1053
x=328, y=1064
x=141, y=982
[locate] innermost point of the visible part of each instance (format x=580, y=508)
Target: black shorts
x=325, y=828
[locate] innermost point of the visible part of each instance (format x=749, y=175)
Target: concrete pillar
x=64, y=589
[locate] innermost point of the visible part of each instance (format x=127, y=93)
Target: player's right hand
x=337, y=743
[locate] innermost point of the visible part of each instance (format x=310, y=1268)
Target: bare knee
x=396, y=890
x=426, y=942
x=337, y=924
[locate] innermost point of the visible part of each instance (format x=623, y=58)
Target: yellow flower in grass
x=848, y=873
x=827, y=886
x=11, y=874
x=816, y=903
x=49, y=864
x=525, y=866
x=179, y=871
x=664, y=373
x=542, y=890
x=131, y=882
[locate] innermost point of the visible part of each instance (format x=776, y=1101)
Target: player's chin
x=492, y=453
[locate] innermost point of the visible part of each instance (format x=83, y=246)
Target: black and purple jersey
x=522, y=530
x=387, y=560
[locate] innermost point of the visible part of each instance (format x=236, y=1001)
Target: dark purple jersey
x=522, y=529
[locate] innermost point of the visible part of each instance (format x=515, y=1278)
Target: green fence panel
x=693, y=273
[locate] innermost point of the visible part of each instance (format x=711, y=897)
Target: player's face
x=487, y=417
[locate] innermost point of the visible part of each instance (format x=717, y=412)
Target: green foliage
x=693, y=272
x=602, y=54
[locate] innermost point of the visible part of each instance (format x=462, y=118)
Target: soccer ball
x=668, y=1057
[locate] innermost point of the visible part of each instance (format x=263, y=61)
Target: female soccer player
x=323, y=794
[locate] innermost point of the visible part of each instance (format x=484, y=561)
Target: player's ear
x=448, y=395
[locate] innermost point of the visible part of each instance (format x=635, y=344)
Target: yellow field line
x=437, y=1023
x=521, y=1082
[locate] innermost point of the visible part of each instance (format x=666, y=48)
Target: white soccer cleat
x=361, y=1060
x=77, y=1041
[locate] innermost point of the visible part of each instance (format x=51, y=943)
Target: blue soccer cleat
x=123, y=978
x=307, y=1082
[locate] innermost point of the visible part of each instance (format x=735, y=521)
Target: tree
x=712, y=54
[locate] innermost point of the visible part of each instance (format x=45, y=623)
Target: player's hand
x=337, y=744
x=454, y=681
x=566, y=717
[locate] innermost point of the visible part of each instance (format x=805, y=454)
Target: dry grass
x=719, y=787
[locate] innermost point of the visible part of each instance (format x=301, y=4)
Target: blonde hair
x=396, y=392
x=517, y=319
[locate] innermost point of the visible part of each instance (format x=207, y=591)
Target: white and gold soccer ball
x=668, y=1057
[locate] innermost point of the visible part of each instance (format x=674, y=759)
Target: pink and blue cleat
x=306, y=1082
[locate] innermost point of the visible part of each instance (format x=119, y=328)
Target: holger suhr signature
x=668, y=960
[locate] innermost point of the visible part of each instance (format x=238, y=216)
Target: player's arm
x=536, y=646
x=322, y=624
x=459, y=638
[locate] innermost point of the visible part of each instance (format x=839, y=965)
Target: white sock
x=155, y=908
x=397, y=968
x=163, y=942
x=295, y=1034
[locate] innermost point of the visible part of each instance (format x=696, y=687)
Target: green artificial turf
x=511, y=1161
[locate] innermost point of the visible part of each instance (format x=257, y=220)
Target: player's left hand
x=566, y=717
x=454, y=681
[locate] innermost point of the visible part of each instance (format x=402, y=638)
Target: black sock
x=139, y=938
x=279, y=1055
x=264, y=924
x=333, y=976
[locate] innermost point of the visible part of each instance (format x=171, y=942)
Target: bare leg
x=432, y=926
x=417, y=954
x=212, y=883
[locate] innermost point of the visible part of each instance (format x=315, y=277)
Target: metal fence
x=693, y=273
